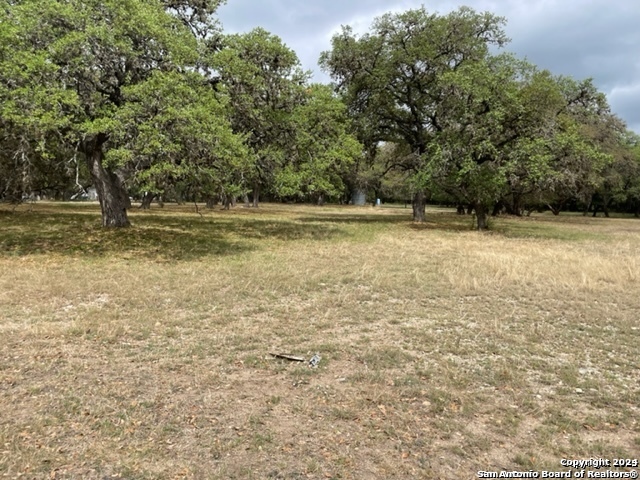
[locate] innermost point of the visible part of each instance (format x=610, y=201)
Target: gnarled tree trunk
x=556, y=209
x=419, y=202
x=112, y=195
x=147, y=198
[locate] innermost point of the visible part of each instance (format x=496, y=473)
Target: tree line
x=151, y=98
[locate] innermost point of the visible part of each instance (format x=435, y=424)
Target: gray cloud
x=580, y=38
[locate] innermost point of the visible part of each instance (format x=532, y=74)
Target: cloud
x=625, y=101
x=579, y=38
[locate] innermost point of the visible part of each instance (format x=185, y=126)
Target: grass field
x=144, y=353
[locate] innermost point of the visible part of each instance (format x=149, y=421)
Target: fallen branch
x=287, y=356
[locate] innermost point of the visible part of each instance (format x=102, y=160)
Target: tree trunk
x=586, y=210
x=460, y=210
x=321, y=200
x=245, y=200
x=256, y=194
x=211, y=202
x=419, y=203
x=555, y=209
x=516, y=206
x=470, y=209
x=497, y=209
x=481, y=216
x=147, y=198
x=226, y=202
x=112, y=195
x=605, y=207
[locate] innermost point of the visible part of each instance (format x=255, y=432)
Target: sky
x=597, y=39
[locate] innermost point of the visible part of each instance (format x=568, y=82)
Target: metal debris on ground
x=315, y=360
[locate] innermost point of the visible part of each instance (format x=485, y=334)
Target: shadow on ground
x=357, y=219
x=77, y=232
x=179, y=233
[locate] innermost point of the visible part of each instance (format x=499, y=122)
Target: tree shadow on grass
x=509, y=227
x=169, y=238
x=542, y=228
x=357, y=219
x=445, y=221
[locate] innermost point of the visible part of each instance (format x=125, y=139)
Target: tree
x=632, y=184
x=174, y=130
x=481, y=135
x=65, y=67
x=265, y=83
x=320, y=148
x=390, y=78
x=620, y=178
x=509, y=131
x=577, y=144
x=531, y=124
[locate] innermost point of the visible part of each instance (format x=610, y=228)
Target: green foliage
x=149, y=95
x=321, y=150
x=264, y=82
x=176, y=131
x=118, y=78
x=390, y=77
x=479, y=128
x=75, y=57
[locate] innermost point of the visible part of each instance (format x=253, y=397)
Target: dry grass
x=143, y=354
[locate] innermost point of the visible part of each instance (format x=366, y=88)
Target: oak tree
x=390, y=77
x=66, y=67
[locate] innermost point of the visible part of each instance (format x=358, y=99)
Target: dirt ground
x=145, y=353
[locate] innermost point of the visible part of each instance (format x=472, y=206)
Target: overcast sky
x=580, y=38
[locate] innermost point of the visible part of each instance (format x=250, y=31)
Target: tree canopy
x=70, y=69
x=482, y=128
x=151, y=96
x=391, y=77
x=265, y=83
